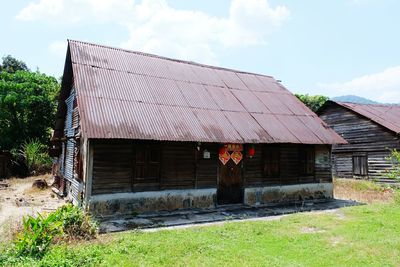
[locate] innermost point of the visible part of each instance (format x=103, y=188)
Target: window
x=272, y=161
x=306, y=160
x=360, y=165
x=147, y=163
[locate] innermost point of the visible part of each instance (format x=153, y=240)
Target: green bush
x=394, y=157
x=36, y=235
x=35, y=156
x=67, y=222
x=75, y=223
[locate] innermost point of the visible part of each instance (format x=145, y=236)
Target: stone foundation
x=136, y=203
x=285, y=194
x=169, y=200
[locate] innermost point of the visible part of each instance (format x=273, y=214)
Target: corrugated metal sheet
x=69, y=131
x=69, y=160
x=386, y=115
x=76, y=189
x=132, y=95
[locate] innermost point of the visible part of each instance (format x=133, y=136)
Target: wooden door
x=230, y=186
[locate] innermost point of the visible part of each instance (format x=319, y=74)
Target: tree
x=12, y=65
x=314, y=102
x=27, y=107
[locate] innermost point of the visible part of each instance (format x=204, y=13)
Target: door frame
x=240, y=188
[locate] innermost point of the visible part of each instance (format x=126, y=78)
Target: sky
x=330, y=48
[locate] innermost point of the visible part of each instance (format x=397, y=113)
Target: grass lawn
x=366, y=235
x=355, y=236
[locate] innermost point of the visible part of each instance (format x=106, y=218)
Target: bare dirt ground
x=19, y=198
x=363, y=191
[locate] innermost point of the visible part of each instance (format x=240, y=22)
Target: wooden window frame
x=358, y=159
x=148, y=164
x=306, y=160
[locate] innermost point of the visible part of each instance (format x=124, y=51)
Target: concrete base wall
x=286, y=194
x=134, y=203
x=141, y=202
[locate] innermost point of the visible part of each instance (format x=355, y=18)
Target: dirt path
x=20, y=199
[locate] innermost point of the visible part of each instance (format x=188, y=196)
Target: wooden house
x=140, y=132
x=372, y=132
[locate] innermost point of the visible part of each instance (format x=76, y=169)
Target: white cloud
x=156, y=27
x=383, y=86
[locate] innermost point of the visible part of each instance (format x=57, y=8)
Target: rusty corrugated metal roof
x=387, y=116
x=133, y=95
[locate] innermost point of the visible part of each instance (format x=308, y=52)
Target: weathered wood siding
x=289, y=167
x=182, y=166
x=365, y=137
x=112, y=167
x=178, y=165
x=207, y=169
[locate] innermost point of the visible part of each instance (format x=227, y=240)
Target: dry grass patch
x=363, y=191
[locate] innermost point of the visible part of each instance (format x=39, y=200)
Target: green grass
x=356, y=236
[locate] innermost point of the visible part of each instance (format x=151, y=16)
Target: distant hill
x=354, y=99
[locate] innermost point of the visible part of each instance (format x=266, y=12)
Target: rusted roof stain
x=132, y=95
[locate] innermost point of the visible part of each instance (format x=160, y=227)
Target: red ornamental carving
x=236, y=156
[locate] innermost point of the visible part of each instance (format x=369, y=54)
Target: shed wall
x=365, y=137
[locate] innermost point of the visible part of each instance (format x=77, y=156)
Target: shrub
x=36, y=235
x=67, y=222
x=75, y=223
x=394, y=157
x=35, y=156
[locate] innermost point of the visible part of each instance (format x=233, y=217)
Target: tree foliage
x=12, y=65
x=27, y=107
x=314, y=102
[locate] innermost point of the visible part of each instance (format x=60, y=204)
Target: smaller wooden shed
x=372, y=132
x=5, y=158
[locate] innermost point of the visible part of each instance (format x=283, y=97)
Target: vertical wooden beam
x=89, y=173
x=196, y=155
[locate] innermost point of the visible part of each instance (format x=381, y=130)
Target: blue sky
x=317, y=47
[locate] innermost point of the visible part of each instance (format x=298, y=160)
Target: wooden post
x=89, y=173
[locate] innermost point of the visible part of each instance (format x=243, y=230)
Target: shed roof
x=387, y=116
x=132, y=95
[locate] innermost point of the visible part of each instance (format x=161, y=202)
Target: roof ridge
x=366, y=104
x=168, y=58
x=373, y=116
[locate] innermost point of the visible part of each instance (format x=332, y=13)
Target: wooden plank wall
x=113, y=167
x=365, y=137
x=207, y=169
x=289, y=171
x=182, y=166
x=253, y=169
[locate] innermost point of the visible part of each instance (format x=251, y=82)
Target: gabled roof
x=132, y=95
x=387, y=116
